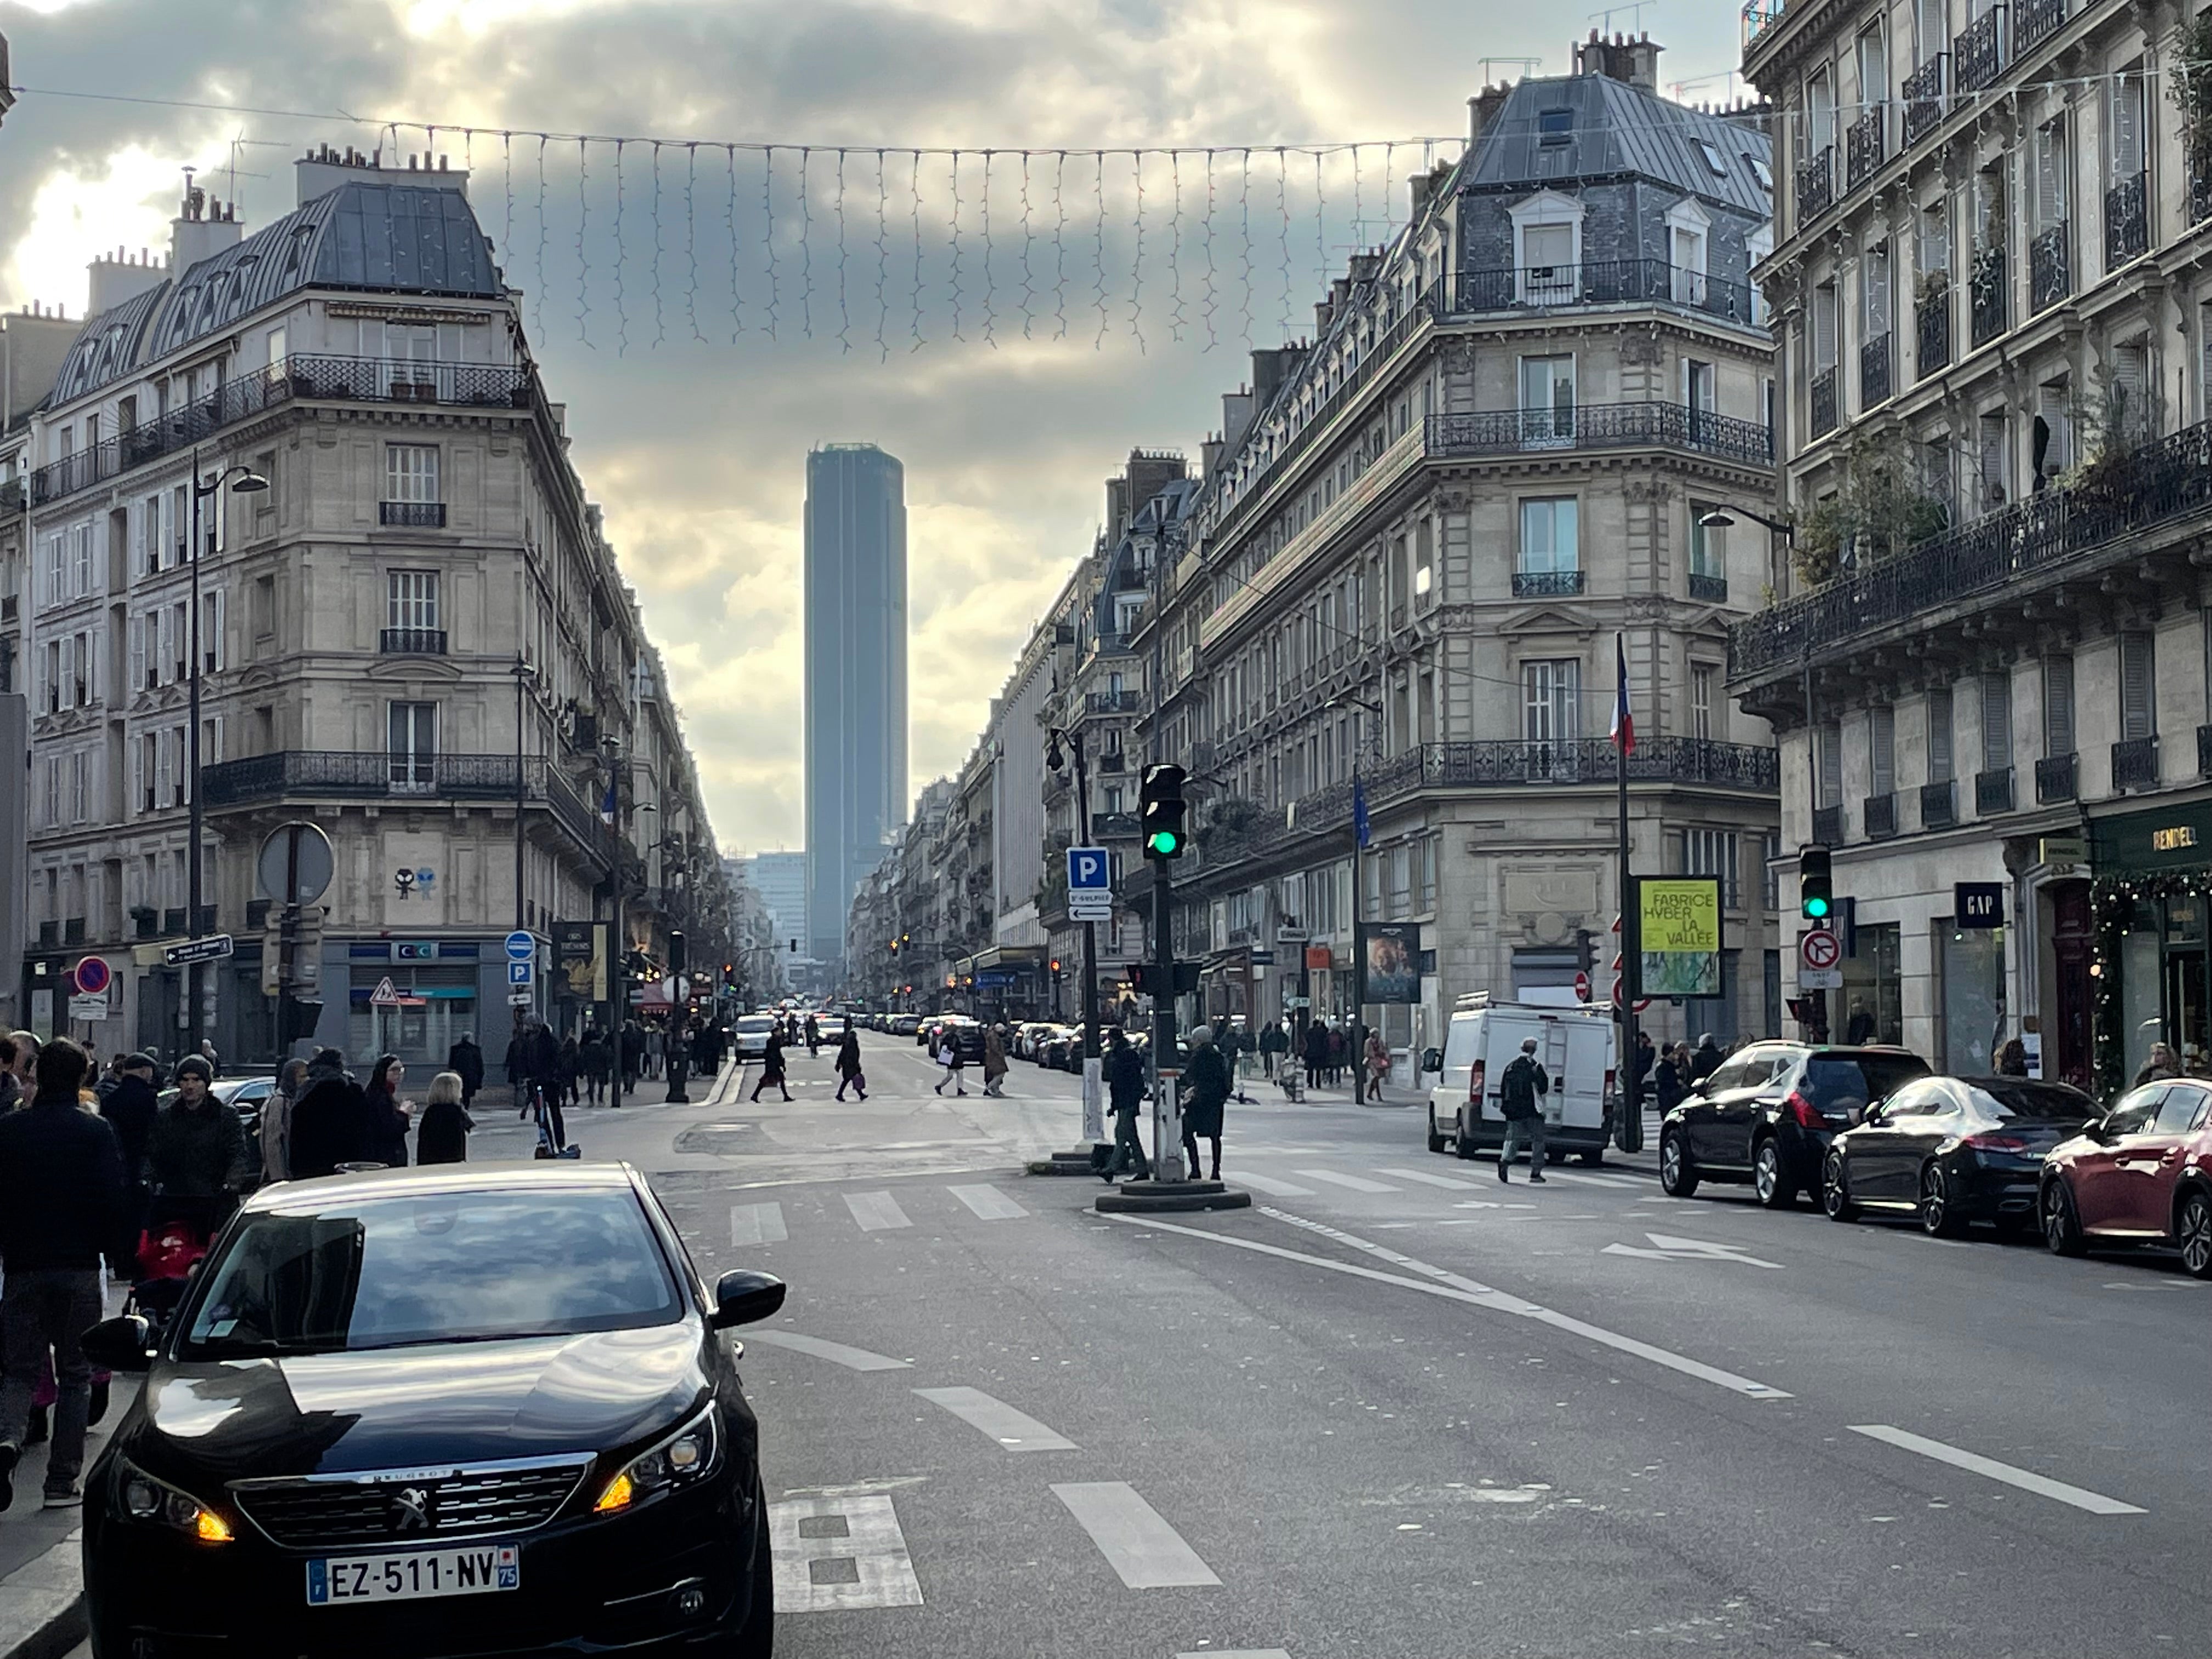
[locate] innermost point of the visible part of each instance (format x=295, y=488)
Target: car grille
x=379, y=1508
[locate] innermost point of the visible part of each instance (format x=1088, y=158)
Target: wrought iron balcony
x=1114, y=825
x=2135, y=763
x=1816, y=183
x=2204, y=751
x=1939, y=805
x=1875, y=358
x=1823, y=397
x=1931, y=328
x=1546, y=583
x=1710, y=590
x=1863, y=142
x=1828, y=825
x=1124, y=702
x=1602, y=283
x=2049, y=279
x=412, y=642
x=2200, y=187
x=2056, y=776
x=1878, y=814
x=1989, y=308
x=2034, y=21
x=1978, y=54
x=1993, y=792
x=1924, y=99
x=2127, y=221
x=1111, y=761
x=422, y=516
x=1598, y=426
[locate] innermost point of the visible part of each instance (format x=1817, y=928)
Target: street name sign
x=213, y=948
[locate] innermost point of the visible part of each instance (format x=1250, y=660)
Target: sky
x=689, y=423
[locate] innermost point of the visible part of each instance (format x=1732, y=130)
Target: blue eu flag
x=1359, y=812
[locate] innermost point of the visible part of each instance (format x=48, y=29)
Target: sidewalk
x=42, y=1566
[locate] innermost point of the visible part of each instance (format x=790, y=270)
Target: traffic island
x=1080, y=1162
x=1155, y=1197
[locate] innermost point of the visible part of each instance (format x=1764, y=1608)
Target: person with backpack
x=1520, y=1092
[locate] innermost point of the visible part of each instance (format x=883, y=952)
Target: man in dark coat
x=465, y=1060
x=1520, y=1095
x=129, y=1108
x=1706, y=1061
x=1206, y=1091
x=198, y=1151
x=1317, y=1052
x=331, y=1122
x=1125, y=1092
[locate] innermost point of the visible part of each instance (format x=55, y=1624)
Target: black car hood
x=406, y=1407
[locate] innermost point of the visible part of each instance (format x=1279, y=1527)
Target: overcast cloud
x=697, y=450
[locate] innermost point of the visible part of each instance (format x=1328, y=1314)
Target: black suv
x=1767, y=1115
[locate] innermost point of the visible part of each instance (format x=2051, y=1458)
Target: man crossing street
x=1520, y=1093
x=1125, y=1094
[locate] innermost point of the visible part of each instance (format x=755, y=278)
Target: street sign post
x=520, y=973
x=1819, y=961
x=1090, y=885
x=213, y=948
x=92, y=977
x=385, y=995
x=521, y=946
x=295, y=864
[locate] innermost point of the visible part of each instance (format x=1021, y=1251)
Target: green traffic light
x=1164, y=843
x=1816, y=908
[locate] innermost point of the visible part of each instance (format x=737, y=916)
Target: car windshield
x=1835, y=1081
x=386, y=1272
x=756, y=1023
x=2031, y=1103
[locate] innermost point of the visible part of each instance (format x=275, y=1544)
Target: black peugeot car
x=436, y=1412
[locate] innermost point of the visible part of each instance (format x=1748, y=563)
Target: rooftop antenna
x=1604, y=19
x=1528, y=66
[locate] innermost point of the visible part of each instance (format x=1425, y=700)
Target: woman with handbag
x=849, y=1073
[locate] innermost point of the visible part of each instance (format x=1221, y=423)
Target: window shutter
x=1832, y=765
x=2127, y=128
x=2131, y=388
x=219, y=647
x=68, y=671
x=91, y=676
x=215, y=751
x=137, y=654
x=2058, y=705
x=2138, y=710
x=1996, y=722
x=1939, y=736
x=137, y=778
x=1883, y=739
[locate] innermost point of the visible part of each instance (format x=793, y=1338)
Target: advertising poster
x=1679, y=917
x=1389, y=961
x=579, y=953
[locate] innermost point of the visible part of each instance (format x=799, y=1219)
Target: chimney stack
x=117, y=277
x=202, y=228
x=1632, y=62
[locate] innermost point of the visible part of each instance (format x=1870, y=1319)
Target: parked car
x=905, y=1024
x=1952, y=1150
x=1769, y=1114
x=2140, y=1175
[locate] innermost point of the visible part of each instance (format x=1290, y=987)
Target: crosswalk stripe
x=757, y=1224
x=876, y=1211
x=1016, y=1430
x=840, y=1552
x=988, y=1202
x=1136, y=1540
x=1357, y=1184
x=1272, y=1186
x=1457, y=1183
x=853, y=1360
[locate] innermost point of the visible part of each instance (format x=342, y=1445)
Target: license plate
x=474, y=1570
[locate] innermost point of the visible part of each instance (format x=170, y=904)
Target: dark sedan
x=437, y=1414
x=1952, y=1150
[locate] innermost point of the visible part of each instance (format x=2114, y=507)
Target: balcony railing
x=2055, y=775
x=1931, y=328
x=2158, y=481
x=353, y=379
x=2034, y=21
x=2127, y=221
x=1824, y=402
x=1878, y=814
x=422, y=516
x=1993, y=792
x=1924, y=99
x=1111, y=761
x=1991, y=287
x=1978, y=54
x=1816, y=183
x=2200, y=190
x=1863, y=146
x=1875, y=358
x=1709, y=590
x=1106, y=826
x=2135, y=763
x=2048, y=280
x=1546, y=583
x=1598, y=426
x=1939, y=805
x=412, y=642
x=1611, y=282
x=1124, y=702
x=1828, y=829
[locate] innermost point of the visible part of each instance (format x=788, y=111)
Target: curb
x=1070, y=1164
x=1159, y=1197
x=42, y=1604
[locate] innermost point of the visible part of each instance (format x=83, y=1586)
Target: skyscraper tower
x=856, y=729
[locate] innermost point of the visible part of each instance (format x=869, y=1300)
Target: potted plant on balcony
x=1931, y=286
x=1881, y=510
x=2190, y=85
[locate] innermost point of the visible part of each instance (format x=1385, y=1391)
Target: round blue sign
x=521, y=946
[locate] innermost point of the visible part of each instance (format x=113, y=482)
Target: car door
x=1881, y=1166
x=1732, y=1092
x=2149, y=1163
x=1701, y=1110
x=2099, y=1184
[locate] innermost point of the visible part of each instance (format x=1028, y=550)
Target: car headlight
x=685, y=1456
x=157, y=1501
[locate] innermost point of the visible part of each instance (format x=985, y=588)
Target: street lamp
x=248, y=483
x=1344, y=700
x=1094, y=1117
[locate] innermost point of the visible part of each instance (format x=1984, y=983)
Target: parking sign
x=1087, y=870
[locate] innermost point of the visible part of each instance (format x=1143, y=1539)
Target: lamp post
x=1358, y=873
x=618, y=934
x=1094, y=1115
x=248, y=483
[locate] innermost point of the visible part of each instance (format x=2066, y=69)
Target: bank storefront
x=2151, y=969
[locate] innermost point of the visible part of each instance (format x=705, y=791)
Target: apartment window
x=1939, y=728
x=1547, y=399
x=1551, y=696
x=79, y=793
x=1770, y=880
x=413, y=744
x=1934, y=243
x=1703, y=677
x=1996, y=722
x=1873, y=77
x=1995, y=456
x=2138, y=700
x=214, y=654
x=2130, y=391
x=1707, y=556
x=1828, y=783
x=2058, y=703
x=1698, y=386
x=411, y=473
x=2054, y=432
x=2124, y=129
x=1881, y=750
x=1823, y=328
x=1548, y=541
x=2051, y=174
x=1713, y=853
x=1821, y=111
x=1425, y=873
x=411, y=599
x=1875, y=294
x=1931, y=30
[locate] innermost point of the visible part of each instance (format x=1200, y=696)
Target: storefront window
x=2142, y=1021
x=1974, y=998
x=438, y=1003
x=1873, y=993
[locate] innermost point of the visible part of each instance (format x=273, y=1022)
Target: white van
x=1575, y=1046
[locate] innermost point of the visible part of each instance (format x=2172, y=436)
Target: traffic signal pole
x=1167, y=1107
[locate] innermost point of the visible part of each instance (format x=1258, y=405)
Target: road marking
x=1456, y=1184
x=757, y=1224
x=1015, y=1430
x=853, y=1360
x=1237, y=1653
x=1671, y=1249
x=1453, y=1288
x=2042, y=1485
x=1272, y=1186
x=839, y=1553
x=876, y=1211
x=1357, y=1184
x=1619, y=1183
x=1137, y=1543
x=988, y=1202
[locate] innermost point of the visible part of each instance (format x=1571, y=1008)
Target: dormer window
x=1554, y=126
x=1760, y=171
x=1714, y=159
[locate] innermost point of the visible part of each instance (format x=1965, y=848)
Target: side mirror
x=1873, y=1113
x=120, y=1345
x=740, y=1298
x=1432, y=1060
x=2094, y=1129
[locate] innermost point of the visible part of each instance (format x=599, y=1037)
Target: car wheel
x=1591, y=1160
x=1836, y=1190
x=1436, y=1142
x=2061, y=1224
x=1678, y=1177
x=1767, y=1180
x=1939, y=1217
x=2192, y=1230
x=1462, y=1140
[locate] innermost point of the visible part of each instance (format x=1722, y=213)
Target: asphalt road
x=1399, y=1410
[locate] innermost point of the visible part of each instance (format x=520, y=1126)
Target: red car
x=2142, y=1175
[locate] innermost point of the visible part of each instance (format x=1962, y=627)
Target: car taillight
x=1997, y=1143
x=1803, y=1113
x=1608, y=1079
x=1474, y=1086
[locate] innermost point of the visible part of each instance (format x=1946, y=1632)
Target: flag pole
x=1631, y=1135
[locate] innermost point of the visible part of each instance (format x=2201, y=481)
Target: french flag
x=1624, y=722
x=607, y=804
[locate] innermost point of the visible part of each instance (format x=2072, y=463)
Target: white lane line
x=1357, y=1184
x=1456, y=1184
x=853, y=1360
x=1137, y=1543
x=1618, y=1184
x=757, y=1224
x=1453, y=1288
x=876, y=1211
x=1016, y=1430
x=831, y=1553
x=2026, y=1480
x=988, y=1202
x=1238, y=1653
x=1272, y=1186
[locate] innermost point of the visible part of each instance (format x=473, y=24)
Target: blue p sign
x=1087, y=869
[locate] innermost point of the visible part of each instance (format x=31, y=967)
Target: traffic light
x=1143, y=979
x=1585, y=950
x=679, y=951
x=1161, y=808
x=1816, y=885
x=272, y=951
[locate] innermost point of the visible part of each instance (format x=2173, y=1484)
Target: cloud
x=697, y=450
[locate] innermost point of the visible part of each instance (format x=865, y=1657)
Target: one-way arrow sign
x=1671, y=1249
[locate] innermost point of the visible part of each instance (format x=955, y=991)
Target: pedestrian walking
x=1336, y=1055
x=655, y=1042
x=389, y=1115
x=19, y=1053
x=948, y=1056
x=1670, y=1079
x=597, y=1062
x=275, y=1127
x=214, y=1061
x=1206, y=1080
x=994, y=1061
x=1317, y=1052
x=62, y=1208
x=444, y=1135
x=772, y=1065
x=1519, y=1095
x=1273, y=1043
x=2161, y=1065
x=569, y=1067
x=465, y=1060
x=850, y=1074
x=1378, y=1064
x=813, y=1035
x=1707, y=1059
x=330, y=1120
x=198, y=1152
x=130, y=1109
x=1124, y=1095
